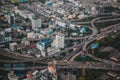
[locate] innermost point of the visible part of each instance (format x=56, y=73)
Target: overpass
x=69, y=65
x=92, y=39
x=76, y=65
x=18, y=56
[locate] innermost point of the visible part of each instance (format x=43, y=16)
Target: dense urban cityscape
x=59, y=40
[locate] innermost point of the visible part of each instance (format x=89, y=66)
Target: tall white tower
x=59, y=40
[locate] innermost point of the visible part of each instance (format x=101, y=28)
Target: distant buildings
x=60, y=23
x=2, y=1
x=24, y=13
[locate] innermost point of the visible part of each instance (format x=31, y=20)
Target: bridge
x=68, y=65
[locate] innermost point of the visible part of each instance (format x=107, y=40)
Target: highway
x=115, y=5
x=24, y=57
x=92, y=65
x=111, y=28
x=95, y=31
x=99, y=21
x=92, y=39
x=92, y=23
x=103, y=64
x=70, y=55
x=14, y=55
x=74, y=65
x=105, y=32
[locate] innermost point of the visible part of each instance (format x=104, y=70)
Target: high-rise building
x=36, y=24
x=59, y=41
x=11, y=19
x=41, y=47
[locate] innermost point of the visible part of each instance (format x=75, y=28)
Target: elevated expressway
x=71, y=56
x=66, y=49
x=104, y=33
x=76, y=65
x=69, y=64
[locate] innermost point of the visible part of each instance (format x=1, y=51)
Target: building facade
x=58, y=42
x=10, y=18
x=36, y=24
x=41, y=47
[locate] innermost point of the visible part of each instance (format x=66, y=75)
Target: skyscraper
x=59, y=41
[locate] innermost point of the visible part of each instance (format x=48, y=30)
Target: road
x=92, y=39
x=74, y=65
x=71, y=64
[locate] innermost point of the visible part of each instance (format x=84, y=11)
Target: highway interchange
x=68, y=60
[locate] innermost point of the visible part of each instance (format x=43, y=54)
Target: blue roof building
x=94, y=46
x=83, y=29
x=49, y=3
x=47, y=41
x=41, y=45
x=50, y=31
x=16, y=27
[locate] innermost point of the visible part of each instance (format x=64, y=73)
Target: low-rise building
x=36, y=24
x=12, y=46
x=10, y=18
x=60, y=23
x=41, y=47
x=30, y=34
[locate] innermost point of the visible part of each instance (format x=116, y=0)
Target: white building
x=2, y=33
x=8, y=30
x=72, y=26
x=12, y=46
x=30, y=35
x=36, y=24
x=61, y=11
x=10, y=18
x=25, y=42
x=24, y=13
x=60, y=23
x=41, y=47
x=16, y=10
x=58, y=42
